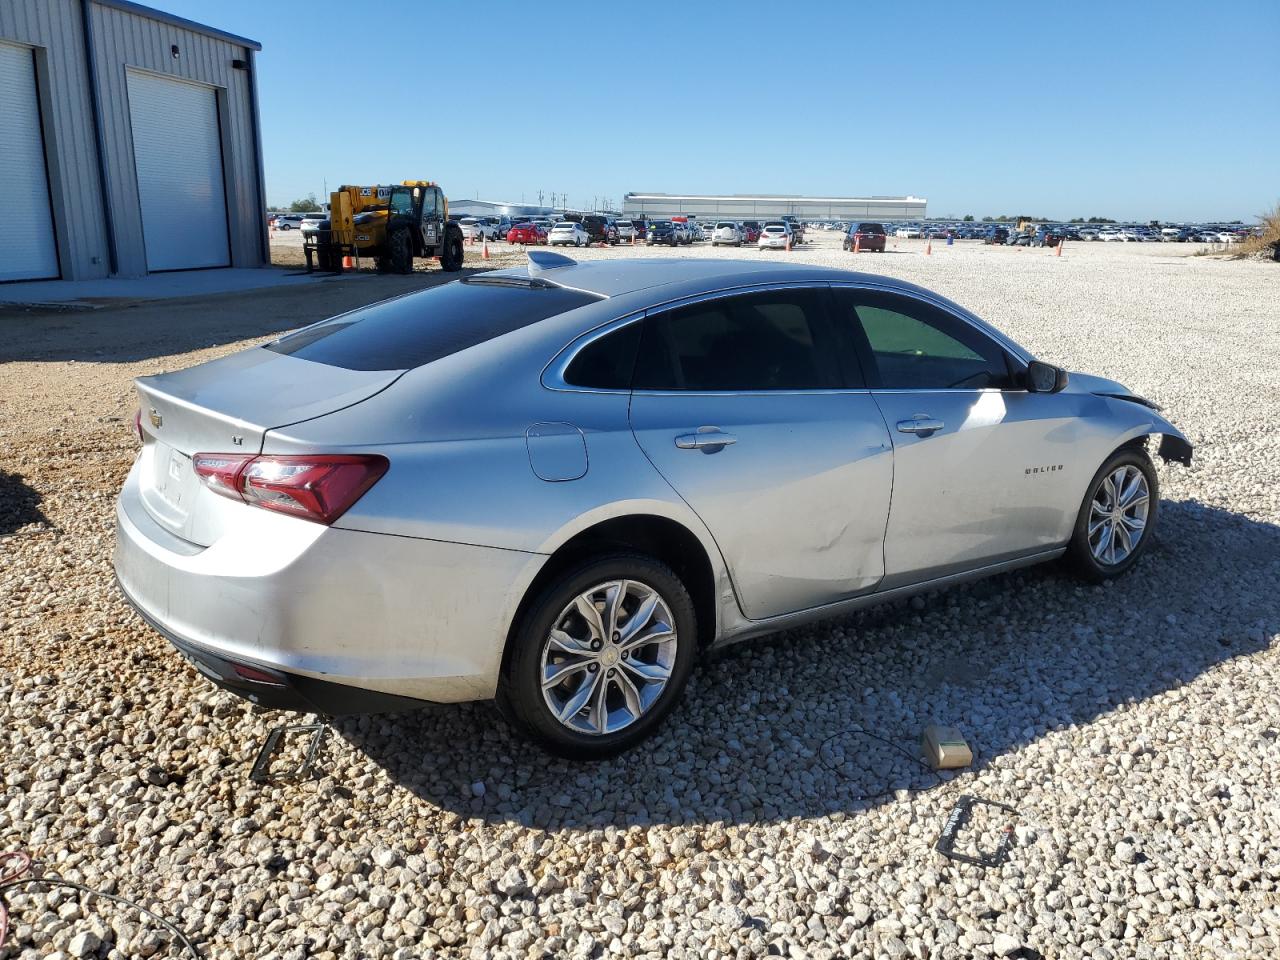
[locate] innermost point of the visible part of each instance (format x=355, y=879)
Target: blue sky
x=1129, y=110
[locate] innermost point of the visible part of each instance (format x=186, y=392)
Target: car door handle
x=705, y=437
x=920, y=425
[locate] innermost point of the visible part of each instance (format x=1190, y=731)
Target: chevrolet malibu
x=560, y=486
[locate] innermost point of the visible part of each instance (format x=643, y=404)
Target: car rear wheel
x=1118, y=517
x=601, y=658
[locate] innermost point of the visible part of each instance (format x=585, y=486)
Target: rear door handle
x=921, y=425
x=705, y=438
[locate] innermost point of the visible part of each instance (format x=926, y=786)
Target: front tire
x=399, y=253
x=1117, y=519
x=601, y=658
x=451, y=255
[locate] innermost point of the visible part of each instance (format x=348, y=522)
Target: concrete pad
x=156, y=286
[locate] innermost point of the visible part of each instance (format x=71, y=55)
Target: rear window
x=564, y=225
x=870, y=228
x=724, y=225
x=414, y=330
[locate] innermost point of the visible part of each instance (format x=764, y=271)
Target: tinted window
x=762, y=341
x=870, y=228
x=915, y=346
x=607, y=362
x=409, y=331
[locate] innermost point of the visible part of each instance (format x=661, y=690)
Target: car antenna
x=543, y=260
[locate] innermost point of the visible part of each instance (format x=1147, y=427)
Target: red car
x=750, y=231
x=865, y=236
x=529, y=234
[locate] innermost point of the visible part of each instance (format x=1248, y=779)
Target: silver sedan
x=561, y=486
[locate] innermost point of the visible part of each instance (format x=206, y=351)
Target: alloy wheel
x=1118, y=515
x=608, y=657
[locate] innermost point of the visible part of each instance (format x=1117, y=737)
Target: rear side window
x=411, y=331
x=607, y=362
x=774, y=340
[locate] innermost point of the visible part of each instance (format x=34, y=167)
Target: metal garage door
x=28, y=251
x=178, y=155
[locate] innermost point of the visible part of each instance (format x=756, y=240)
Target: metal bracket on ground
x=959, y=817
x=261, y=772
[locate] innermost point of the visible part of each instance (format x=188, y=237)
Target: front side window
x=912, y=345
x=401, y=202
x=772, y=340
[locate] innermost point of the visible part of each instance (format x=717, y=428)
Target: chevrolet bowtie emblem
x=156, y=420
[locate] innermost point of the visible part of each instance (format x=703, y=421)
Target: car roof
x=616, y=278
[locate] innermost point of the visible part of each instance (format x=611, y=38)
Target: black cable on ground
x=16, y=877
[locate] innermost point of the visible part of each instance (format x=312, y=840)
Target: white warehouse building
x=129, y=143
x=739, y=206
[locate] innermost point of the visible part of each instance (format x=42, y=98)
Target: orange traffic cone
x=928, y=248
x=347, y=263
x=1059, y=253
x=484, y=250
x=857, y=243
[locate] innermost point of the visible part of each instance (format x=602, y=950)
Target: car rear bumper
x=344, y=617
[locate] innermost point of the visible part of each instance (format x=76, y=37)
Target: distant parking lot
x=1132, y=726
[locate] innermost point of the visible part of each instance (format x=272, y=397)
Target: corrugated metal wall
x=126, y=38
x=53, y=27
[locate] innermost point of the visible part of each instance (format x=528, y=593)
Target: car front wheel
x=1118, y=517
x=601, y=658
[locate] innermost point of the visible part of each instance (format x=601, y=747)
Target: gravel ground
x=1133, y=726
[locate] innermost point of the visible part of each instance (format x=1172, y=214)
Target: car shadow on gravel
x=827, y=720
x=19, y=505
x=129, y=331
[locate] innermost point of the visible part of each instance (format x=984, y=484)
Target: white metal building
x=740, y=206
x=129, y=143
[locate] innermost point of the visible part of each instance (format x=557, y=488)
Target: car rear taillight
x=320, y=488
x=254, y=675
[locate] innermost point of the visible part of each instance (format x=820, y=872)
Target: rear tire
x=451, y=253
x=398, y=256
x=606, y=703
x=1118, y=517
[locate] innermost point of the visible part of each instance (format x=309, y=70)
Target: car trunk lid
x=227, y=406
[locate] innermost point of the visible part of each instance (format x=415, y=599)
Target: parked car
x=428, y=450
x=865, y=236
x=288, y=221
x=568, y=233
x=1046, y=236
x=909, y=232
x=528, y=233
x=476, y=229
x=683, y=235
x=626, y=231
x=750, y=231
x=797, y=231
x=1020, y=239
x=776, y=235
x=728, y=233
x=996, y=235
x=662, y=232
x=599, y=228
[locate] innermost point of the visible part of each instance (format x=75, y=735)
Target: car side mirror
x=1045, y=378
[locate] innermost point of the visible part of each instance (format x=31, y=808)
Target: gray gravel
x=1134, y=726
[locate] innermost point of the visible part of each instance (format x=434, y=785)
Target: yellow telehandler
x=391, y=224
